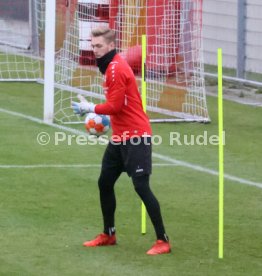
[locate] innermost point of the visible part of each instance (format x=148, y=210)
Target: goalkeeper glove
x=83, y=106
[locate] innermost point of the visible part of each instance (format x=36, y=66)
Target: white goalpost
x=49, y=79
x=33, y=37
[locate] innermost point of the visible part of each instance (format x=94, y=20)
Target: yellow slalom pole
x=221, y=156
x=143, y=84
x=144, y=72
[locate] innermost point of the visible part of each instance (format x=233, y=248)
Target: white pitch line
x=156, y=155
x=44, y=166
x=39, y=121
x=206, y=170
x=47, y=166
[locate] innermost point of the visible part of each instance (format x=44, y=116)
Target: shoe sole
x=99, y=245
x=159, y=253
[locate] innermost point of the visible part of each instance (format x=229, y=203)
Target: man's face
x=100, y=46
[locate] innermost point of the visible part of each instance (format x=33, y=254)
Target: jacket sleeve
x=116, y=85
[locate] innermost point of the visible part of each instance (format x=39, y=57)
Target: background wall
x=221, y=29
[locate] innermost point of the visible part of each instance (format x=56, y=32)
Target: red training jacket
x=123, y=102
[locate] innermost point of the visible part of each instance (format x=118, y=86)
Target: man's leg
x=111, y=170
x=106, y=184
x=162, y=245
x=141, y=184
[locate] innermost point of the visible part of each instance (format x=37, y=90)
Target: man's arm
x=116, y=93
x=116, y=89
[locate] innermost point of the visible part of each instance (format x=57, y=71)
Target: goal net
x=19, y=40
x=174, y=61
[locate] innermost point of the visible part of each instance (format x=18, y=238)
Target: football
x=96, y=124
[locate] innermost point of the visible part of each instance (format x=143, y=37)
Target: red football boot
x=160, y=247
x=101, y=240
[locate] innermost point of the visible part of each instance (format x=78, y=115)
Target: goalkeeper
x=129, y=149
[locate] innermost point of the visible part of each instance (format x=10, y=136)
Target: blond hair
x=107, y=33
